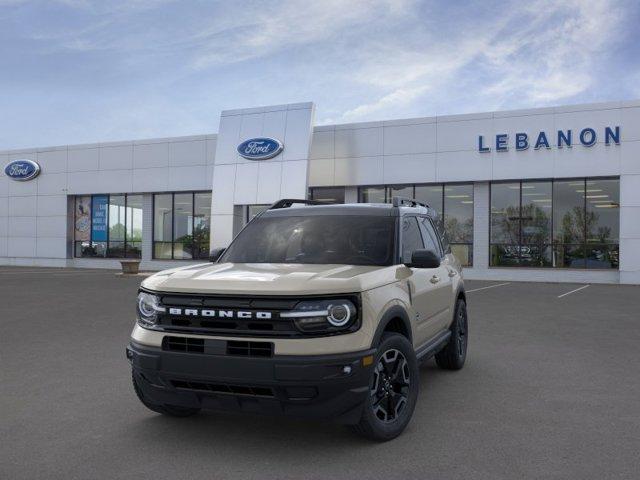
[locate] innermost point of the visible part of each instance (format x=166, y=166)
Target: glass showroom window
x=521, y=224
x=181, y=225
x=108, y=226
x=327, y=194
x=570, y=224
x=452, y=202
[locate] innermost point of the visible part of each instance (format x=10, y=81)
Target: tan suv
x=314, y=310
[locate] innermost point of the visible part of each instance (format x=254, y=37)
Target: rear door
x=422, y=283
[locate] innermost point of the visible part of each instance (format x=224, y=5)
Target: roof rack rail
x=287, y=202
x=400, y=201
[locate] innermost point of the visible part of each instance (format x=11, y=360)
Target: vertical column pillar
x=630, y=229
x=350, y=194
x=147, y=227
x=481, y=226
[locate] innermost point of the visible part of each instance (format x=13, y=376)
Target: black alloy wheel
x=391, y=383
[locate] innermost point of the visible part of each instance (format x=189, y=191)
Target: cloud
x=541, y=52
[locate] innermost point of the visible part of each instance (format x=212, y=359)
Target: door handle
x=434, y=279
x=452, y=273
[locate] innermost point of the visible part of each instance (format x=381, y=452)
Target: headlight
x=323, y=316
x=148, y=309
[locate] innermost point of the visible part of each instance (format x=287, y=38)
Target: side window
x=429, y=235
x=411, y=238
x=442, y=235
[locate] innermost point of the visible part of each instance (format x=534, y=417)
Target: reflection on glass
x=372, y=195
x=568, y=212
x=134, y=226
x=405, y=191
x=536, y=222
x=201, y=224
x=183, y=226
x=117, y=219
x=162, y=221
x=458, y=213
x=603, y=211
x=328, y=194
x=431, y=195
x=505, y=213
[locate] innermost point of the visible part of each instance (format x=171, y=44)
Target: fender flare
x=395, y=311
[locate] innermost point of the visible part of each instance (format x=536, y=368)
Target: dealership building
x=549, y=194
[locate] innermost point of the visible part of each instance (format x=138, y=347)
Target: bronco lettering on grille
x=242, y=314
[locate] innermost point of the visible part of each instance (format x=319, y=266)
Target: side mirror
x=424, y=259
x=215, y=254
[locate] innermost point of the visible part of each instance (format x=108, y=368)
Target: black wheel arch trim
x=396, y=311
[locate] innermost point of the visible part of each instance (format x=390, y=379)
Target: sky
x=80, y=71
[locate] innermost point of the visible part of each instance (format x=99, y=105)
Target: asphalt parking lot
x=551, y=390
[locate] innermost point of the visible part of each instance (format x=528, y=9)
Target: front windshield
x=319, y=239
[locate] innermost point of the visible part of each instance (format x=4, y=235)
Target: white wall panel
x=422, y=168
x=150, y=179
x=359, y=171
x=321, y=172
x=246, y=184
x=51, y=247
x=22, y=206
x=294, y=179
x=116, y=158
x=54, y=161
x=322, y=145
x=420, y=138
x=83, y=159
x=21, y=247
x=52, y=184
x=51, y=205
x=630, y=157
x=188, y=178
x=269, y=175
x=363, y=142
x=22, y=227
x=54, y=226
x=151, y=155
x=187, y=153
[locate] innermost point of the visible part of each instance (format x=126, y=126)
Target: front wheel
x=453, y=356
x=393, y=390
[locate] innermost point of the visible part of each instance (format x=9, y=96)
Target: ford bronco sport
x=320, y=311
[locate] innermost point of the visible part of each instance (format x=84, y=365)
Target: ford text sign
x=22, y=170
x=260, y=148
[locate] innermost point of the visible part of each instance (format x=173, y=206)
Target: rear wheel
x=453, y=356
x=171, y=410
x=393, y=390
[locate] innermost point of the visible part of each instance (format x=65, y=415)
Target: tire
x=393, y=388
x=170, y=410
x=454, y=354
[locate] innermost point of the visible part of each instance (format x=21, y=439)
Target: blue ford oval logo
x=22, y=170
x=260, y=148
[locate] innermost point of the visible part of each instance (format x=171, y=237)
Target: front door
x=428, y=286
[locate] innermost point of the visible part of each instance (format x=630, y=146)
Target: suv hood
x=271, y=278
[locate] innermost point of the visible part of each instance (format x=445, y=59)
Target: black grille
x=250, y=349
x=183, y=344
x=251, y=390
x=275, y=326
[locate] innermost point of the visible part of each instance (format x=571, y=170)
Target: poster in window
x=83, y=219
x=99, y=218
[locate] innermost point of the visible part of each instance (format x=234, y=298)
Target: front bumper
x=322, y=386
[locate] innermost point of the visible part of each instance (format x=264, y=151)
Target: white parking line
x=490, y=286
x=573, y=291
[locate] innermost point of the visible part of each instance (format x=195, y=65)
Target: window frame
x=387, y=199
x=553, y=245
x=173, y=224
x=125, y=239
